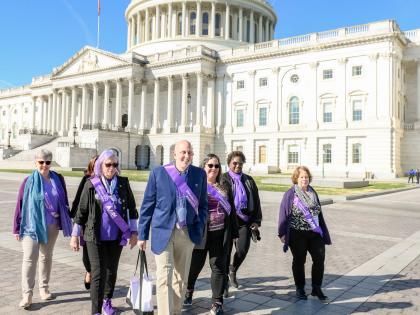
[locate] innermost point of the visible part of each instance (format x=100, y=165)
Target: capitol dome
x=160, y=25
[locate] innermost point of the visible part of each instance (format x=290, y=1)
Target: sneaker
x=45, y=294
x=26, y=301
x=216, y=309
x=107, y=307
x=188, y=298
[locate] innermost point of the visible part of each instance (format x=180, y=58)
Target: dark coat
x=89, y=212
x=254, y=204
x=76, y=199
x=285, y=216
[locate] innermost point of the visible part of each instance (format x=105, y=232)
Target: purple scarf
x=308, y=216
x=241, y=200
x=109, y=206
x=219, y=197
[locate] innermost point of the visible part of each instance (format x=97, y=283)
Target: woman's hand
x=142, y=245
x=17, y=237
x=283, y=239
x=133, y=240
x=74, y=243
x=254, y=226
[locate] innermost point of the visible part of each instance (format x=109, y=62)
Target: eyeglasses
x=213, y=165
x=237, y=163
x=42, y=162
x=108, y=165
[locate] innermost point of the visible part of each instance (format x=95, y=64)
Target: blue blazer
x=159, y=204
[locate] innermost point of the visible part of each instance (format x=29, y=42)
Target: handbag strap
x=143, y=263
x=137, y=263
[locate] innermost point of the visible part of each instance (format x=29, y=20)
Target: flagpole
x=99, y=21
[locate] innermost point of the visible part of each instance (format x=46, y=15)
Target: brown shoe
x=26, y=301
x=45, y=294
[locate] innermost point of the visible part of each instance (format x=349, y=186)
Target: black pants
x=241, y=245
x=104, y=259
x=85, y=259
x=217, y=260
x=300, y=243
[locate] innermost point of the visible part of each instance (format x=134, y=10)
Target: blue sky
x=37, y=36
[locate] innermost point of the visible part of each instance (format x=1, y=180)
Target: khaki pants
x=31, y=251
x=172, y=268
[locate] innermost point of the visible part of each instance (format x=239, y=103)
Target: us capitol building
x=345, y=102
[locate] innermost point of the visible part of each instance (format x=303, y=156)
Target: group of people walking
x=414, y=173
x=188, y=211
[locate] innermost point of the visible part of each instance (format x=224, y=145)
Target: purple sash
x=308, y=216
x=222, y=199
x=182, y=186
x=109, y=206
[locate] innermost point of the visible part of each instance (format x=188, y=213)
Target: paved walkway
x=373, y=266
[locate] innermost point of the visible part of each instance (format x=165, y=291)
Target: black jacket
x=89, y=212
x=254, y=205
x=76, y=200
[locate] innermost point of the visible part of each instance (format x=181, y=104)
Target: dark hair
x=234, y=154
x=91, y=165
x=296, y=172
x=208, y=158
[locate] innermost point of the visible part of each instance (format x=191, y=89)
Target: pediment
x=89, y=60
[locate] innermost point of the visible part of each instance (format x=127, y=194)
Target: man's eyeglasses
x=237, y=163
x=42, y=162
x=213, y=165
x=108, y=165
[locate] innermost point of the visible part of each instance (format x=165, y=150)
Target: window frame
x=240, y=84
x=294, y=115
x=357, y=71
x=327, y=153
x=356, y=147
x=327, y=74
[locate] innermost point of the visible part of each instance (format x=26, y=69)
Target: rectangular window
x=240, y=84
x=357, y=110
x=326, y=153
x=263, y=82
x=263, y=116
x=357, y=153
x=240, y=118
x=328, y=108
x=327, y=74
x=262, y=154
x=293, y=155
x=356, y=71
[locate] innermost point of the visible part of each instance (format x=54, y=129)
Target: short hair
x=91, y=165
x=208, y=158
x=234, y=154
x=44, y=155
x=105, y=155
x=296, y=172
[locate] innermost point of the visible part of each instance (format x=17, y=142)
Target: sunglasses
x=237, y=163
x=108, y=165
x=42, y=162
x=213, y=165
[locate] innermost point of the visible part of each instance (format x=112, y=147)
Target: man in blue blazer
x=175, y=206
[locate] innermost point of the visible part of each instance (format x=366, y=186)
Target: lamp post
x=74, y=134
x=9, y=133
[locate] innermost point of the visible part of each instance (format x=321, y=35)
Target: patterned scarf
x=308, y=200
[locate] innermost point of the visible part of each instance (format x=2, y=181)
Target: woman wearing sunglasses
x=85, y=258
x=41, y=211
x=247, y=207
x=108, y=215
x=221, y=227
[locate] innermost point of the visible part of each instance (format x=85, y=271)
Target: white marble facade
x=344, y=102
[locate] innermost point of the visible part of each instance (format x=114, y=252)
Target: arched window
x=294, y=111
x=193, y=22
x=218, y=23
x=179, y=24
x=205, y=24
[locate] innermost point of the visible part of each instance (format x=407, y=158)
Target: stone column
x=48, y=125
x=198, y=118
x=106, y=120
x=267, y=30
x=170, y=120
x=251, y=28
x=138, y=28
x=118, y=104
x=155, y=123
x=163, y=25
x=210, y=101
x=241, y=25
x=143, y=104
x=184, y=104
x=169, y=21
x=128, y=34
x=53, y=112
x=212, y=26
x=95, y=107
x=63, y=112
x=44, y=114
x=32, y=121
x=59, y=109
x=184, y=11
x=260, y=29
x=418, y=92
x=83, y=111
x=133, y=31
x=146, y=25
x=73, y=107
x=198, y=27
x=130, y=104
x=157, y=23
x=227, y=22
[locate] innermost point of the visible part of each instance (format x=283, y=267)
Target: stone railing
x=41, y=79
x=408, y=126
x=14, y=90
x=413, y=35
x=182, y=53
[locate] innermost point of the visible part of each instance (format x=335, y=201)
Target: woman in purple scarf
x=248, y=210
x=302, y=227
x=108, y=215
x=221, y=227
x=41, y=211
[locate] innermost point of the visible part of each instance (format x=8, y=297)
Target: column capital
x=185, y=75
x=275, y=70
x=170, y=77
x=342, y=61
x=252, y=73
x=314, y=65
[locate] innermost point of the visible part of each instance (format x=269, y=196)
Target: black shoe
x=232, y=277
x=226, y=292
x=316, y=291
x=301, y=294
x=216, y=309
x=87, y=284
x=188, y=298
